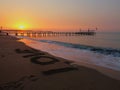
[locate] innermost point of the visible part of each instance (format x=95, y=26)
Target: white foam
x=76, y=55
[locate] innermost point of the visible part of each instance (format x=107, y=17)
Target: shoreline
x=107, y=71
x=25, y=68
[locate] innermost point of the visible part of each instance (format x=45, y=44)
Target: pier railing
x=46, y=33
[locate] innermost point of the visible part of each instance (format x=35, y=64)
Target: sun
x=22, y=27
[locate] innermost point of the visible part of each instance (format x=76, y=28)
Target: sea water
x=102, y=49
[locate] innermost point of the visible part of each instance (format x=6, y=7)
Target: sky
x=69, y=15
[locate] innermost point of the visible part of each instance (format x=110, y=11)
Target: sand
x=24, y=68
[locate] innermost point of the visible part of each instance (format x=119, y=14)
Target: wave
x=78, y=53
x=105, y=51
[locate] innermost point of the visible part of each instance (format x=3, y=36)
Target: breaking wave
x=105, y=51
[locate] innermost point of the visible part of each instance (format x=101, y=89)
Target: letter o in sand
x=39, y=60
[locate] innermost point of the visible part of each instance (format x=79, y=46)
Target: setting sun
x=22, y=27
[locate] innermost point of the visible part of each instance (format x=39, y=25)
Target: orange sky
x=60, y=14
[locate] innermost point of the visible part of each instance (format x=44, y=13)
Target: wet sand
x=24, y=68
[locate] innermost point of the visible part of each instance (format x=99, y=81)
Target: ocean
x=101, y=49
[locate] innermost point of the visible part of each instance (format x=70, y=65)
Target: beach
x=25, y=68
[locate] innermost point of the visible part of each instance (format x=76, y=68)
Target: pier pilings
x=47, y=33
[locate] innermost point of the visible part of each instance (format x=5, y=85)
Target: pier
x=46, y=33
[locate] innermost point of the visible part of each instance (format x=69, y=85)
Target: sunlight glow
x=21, y=27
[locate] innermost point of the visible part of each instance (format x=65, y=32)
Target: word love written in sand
x=38, y=57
